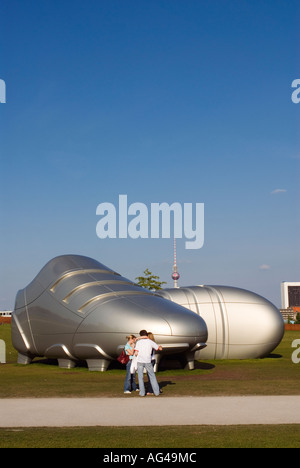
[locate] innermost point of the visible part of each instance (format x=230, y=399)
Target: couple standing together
x=143, y=348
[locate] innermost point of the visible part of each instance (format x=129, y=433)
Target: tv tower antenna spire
x=175, y=274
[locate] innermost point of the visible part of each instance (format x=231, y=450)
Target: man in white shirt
x=143, y=351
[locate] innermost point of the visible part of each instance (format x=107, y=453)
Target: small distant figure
x=2, y=352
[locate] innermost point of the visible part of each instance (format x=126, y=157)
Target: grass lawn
x=254, y=436
x=274, y=375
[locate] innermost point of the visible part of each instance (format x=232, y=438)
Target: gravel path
x=149, y=411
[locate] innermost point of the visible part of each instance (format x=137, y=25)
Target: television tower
x=175, y=274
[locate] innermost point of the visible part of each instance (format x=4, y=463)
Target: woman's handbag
x=123, y=358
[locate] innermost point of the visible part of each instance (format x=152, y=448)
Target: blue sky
x=165, y=101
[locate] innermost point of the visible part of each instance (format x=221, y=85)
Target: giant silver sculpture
x=240, y=323
x=78, y=309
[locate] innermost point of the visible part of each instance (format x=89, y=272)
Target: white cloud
x=278, y=190
x=264, y=267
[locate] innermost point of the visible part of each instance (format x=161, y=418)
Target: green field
x=274, y=375
x=255, y=436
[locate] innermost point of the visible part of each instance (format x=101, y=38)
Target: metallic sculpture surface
x=78, y=309
x=240, y=323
